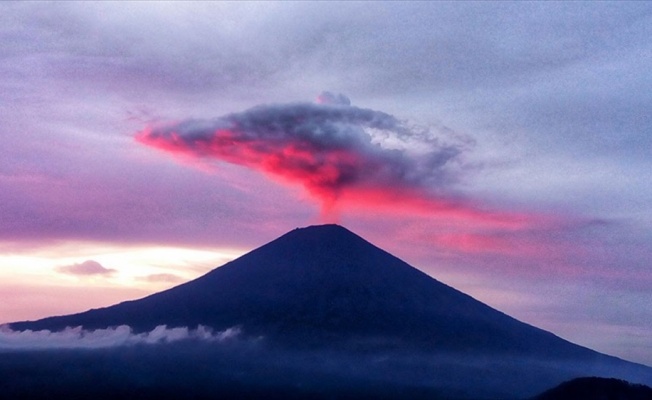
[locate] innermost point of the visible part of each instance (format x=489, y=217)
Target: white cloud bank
x=123, y=335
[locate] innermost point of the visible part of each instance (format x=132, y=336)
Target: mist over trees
x=243, y=368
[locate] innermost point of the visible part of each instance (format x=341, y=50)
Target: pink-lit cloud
x=163, y=277
x=344, y=156
x=87, y=268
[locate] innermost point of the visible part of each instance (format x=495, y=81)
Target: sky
x=502, y=148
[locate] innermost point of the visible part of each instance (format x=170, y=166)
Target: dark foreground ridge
x=592, y=388
x=346, y=310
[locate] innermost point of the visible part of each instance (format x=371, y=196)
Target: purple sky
x=503, y=148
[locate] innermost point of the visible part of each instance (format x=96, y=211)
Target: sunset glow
x=131, y=271
x=501, y=147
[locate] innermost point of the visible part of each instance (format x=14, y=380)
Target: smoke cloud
x=339, y=153
x=123, y=335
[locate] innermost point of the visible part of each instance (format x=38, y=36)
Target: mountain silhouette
x=324, y=289
x=325, y=282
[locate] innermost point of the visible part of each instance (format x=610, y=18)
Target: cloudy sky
x=503, y=148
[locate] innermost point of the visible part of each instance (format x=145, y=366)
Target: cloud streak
x=87, y=268
x=123, y=335
x=341, y=154
x=167, y=278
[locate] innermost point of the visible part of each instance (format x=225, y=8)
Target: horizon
x=500, y=148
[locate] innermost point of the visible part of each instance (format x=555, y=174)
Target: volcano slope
x=327, y=307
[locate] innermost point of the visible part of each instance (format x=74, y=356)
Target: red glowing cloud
x=323, y=172
x=338, y=153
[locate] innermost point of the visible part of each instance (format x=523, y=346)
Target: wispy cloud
x=123, y=335
x=87, y=268
x=163, y=277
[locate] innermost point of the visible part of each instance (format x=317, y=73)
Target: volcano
x=326, y=284
x=325, y=288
